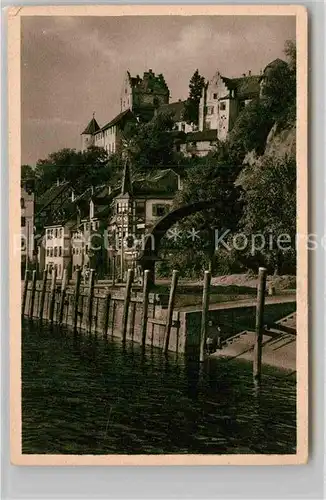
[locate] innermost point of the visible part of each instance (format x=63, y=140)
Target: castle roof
x=177, y=108
x=92, y=127
x=149, y=82
x=275, y=63
x=121, y=117
x=245, y=87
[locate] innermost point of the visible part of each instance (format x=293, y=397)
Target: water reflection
x=83, y=394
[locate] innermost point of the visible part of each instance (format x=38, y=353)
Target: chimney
x=249, y=72
x=243, y=74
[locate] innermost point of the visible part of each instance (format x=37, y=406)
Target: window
x=60, y=251
x=48, y=252
x=51, y=252
x=22, y=243
x=55, y=233
x=86, y=249
x=23, y=221
x=207, y=125
x=159, y=210
x=22, y=203
x=60, y=233
x=210, y=110
x=222, y=106
x=183, y=127
x=73, y=250
x=55, y=251
x=214, y=96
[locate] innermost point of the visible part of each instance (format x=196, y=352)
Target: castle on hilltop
x=222, y=101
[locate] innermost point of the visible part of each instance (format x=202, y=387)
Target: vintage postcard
x=158, y=246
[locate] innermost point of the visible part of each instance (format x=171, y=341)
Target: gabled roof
x=164, y=182
x=50, y=195
x=246, y=87
x=92, y=127
x=118, y=119
x=177, y=108
x=275, y=63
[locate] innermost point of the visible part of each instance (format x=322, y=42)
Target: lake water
x=86, y=395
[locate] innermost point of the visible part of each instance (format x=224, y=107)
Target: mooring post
x=32, y=299
x=25, y=291
x=262, y=274
x=133, y=306
x=52, y=294
x=76, y=298
x=43, y=292
x=89, y=307
x=106, y=313
x=144, y=316
x=63, y=294
x=170, y=311
x=130, y=277
x=204, y=314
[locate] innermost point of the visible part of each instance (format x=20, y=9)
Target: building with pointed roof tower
x=88, y=136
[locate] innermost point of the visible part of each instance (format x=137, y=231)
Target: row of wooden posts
x=90, y=298
x=145, y=301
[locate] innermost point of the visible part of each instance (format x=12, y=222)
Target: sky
x=74, y=66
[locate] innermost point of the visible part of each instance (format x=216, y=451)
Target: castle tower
x=88, y=134
x=144, y=95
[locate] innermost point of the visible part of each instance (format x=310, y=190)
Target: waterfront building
x=58, y=247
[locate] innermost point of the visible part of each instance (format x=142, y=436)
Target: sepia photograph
x=160, y=300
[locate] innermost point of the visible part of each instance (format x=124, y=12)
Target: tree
x=151, y=145
x=279, y=91
x=269, y=196
x=82, y=169
x=250, y=130
x=196, y=85
x=211, y=177
x=27, y=173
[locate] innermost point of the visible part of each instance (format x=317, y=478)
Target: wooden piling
x=43, y=292
x=262, y=274
x=52, y=294
x=76, y=298
x=63, y=294
x=89, y=307
x=106, y=314
x=32, y=299
x=133, y=306
x=144, y=317
x=204, y=314
x=130, y=277
x=170, y=311
x=25, y=291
